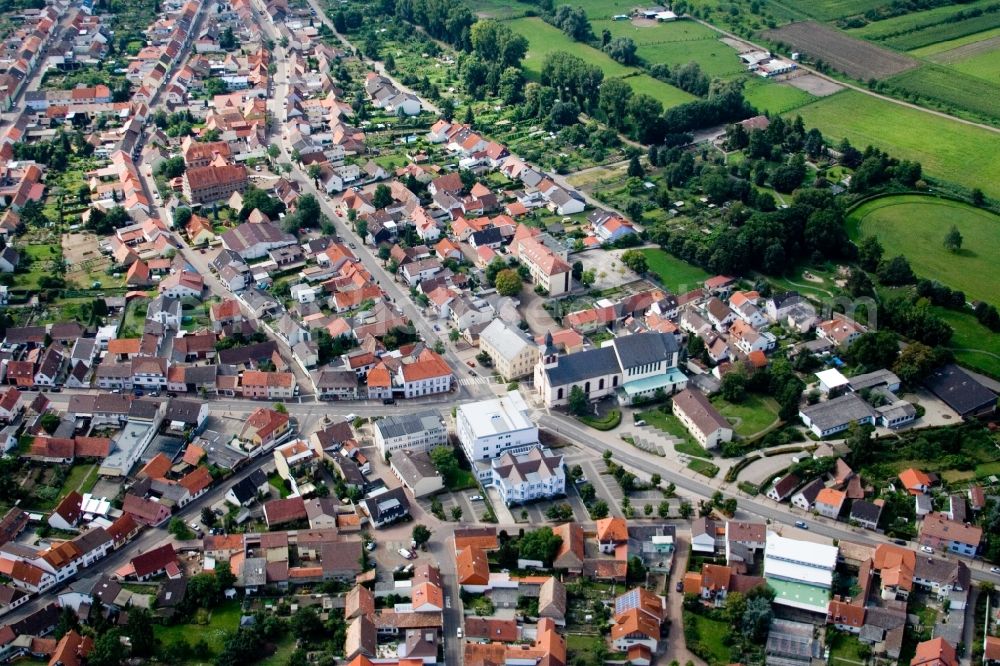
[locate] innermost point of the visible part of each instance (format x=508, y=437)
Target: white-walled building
x=799, y=572
x=512, y=353
x=489, y=428
x=526, y=477
x=701, y=419
x=421, y=431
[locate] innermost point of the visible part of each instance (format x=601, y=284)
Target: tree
x=896, y=272
x=636, y=571
x=953, y=240
x=421, y=535
x=734, y=385
x=978, y=198
x=756, y=619
x=508, y=282
x=108, y=650
x=655, y=480
x=588, y=278
x=314, y=171
x=445, y=462
x=578, y=403
x=685, y=510
x=208, y=516
x=227, y=40
x=447, y=109
x=50, y=422
x=599, y=510
x=456, y=513
x=876, y=349
x=635, y=169
x=915, y=362
x=140, y=632
x=224, y=577
x=635, y=260
x=622, y=49
x=870, y=253
x=541, y=544
x=306, y=624
x=181, y=531
x=663, y=511
x=382, y=197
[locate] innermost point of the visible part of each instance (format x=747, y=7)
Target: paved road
x=644, y=465
x=398, y=294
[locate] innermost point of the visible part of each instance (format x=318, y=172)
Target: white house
x=701, y=419
x=526, y=477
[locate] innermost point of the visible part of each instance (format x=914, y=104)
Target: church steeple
x=550, y=355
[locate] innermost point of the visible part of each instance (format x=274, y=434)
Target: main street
x=396, y=293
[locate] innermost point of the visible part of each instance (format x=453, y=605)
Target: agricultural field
x=954, y=90
x=942, y=146
x=677, y=43
x=915, y=226
x=829, y=10
x=544, y=39
x=937, y=51
x=854, y=57
x=943, y=32
x=906, y=23
x=984, y=64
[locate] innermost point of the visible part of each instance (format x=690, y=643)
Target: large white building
x=526, y=477
x=421, y=431
x=701, y=419
x=489, y=428
x=638, y=365
x=799, y=572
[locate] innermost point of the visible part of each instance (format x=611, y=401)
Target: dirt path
x=860, y=89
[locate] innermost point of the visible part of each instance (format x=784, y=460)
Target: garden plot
x=854, y=57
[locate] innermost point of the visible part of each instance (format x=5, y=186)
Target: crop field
x=943, y=32
x=677, y=43
x=544, y=39
x=938, y=51
x=855, y=57
x=984, y=65
x=955, y=89
x=774, y=97
x=963, y=154
x=604, y=9
x=915, y=226
x=898, y=25
x=828, y=10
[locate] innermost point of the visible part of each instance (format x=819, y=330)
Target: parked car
x=370, y=546
x=679, y=586
x=388, y=401
x=475, y=498
x=995, y=570
x=801, y=524
x=405, y=553
x=927, y=549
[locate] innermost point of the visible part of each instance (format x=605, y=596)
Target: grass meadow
x=915, y=226
x=963, y=154
x=675, y=274
x=956, y=89
x=544, y=39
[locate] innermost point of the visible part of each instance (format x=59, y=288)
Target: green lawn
x=498, y=9
x=544, y=39
x=710, y=636
x=226, y=617
x=665, y=421
x=915, y=226
x=773, y=97
x=285, y=648
x=975, y=346
x=675, y=274
x=703, y=467
x=81, y=478
x=827, y=10
x=754, y=414
x=276, y=482
x=949, y=150
x=845, y=649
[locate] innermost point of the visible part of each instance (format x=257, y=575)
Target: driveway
x=676, y=646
